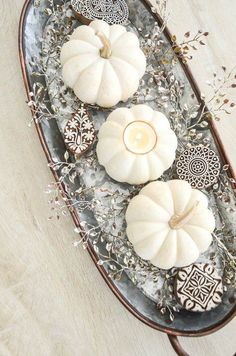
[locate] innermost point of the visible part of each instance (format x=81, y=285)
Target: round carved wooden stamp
x=198, y=287
x=79, y=133
x=111, y=11
x=199, y=166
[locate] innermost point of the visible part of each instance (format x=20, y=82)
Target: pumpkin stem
x=178, y=221
x=105, y=52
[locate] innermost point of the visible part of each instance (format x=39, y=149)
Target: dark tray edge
x=171, y=333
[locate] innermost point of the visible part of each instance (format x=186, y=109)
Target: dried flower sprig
x=58, y=207
x=38, y=104
x=218, y=102
x=153, y=43
x=229, y=260
x=225, y=191
x=183, y=49
x=160, y=7
x=166, y=298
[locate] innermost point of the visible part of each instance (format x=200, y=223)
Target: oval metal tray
x=143, y=307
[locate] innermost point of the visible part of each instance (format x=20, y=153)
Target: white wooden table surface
x=53, y=302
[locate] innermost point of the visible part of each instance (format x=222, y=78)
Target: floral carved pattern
x=199, y=166
x=111, y=11
x=199, y=287
x=79, y=133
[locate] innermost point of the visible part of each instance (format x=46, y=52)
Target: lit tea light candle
x=140, y=137
x=136, y=145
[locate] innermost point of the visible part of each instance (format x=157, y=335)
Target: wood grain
x=53, y=301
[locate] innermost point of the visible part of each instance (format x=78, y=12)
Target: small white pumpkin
x=103, y=64
x=136, y=145
x=169, y=223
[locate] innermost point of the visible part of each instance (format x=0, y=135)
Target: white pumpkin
x=103, y=64
x=136, y=145
x=169, y=223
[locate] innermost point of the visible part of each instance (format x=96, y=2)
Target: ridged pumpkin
x=102, y=64
x=169, y=223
